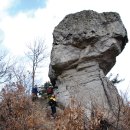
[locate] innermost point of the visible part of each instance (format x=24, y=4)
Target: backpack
x=49, y=90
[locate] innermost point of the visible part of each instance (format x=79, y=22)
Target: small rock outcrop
x=85, y=46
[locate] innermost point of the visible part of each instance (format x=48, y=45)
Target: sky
x=21, y=21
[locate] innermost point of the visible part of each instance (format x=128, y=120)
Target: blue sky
x=26, y=5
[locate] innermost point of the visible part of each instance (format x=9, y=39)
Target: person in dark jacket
x=53, y=104
x=47, y=84
x=34, y=93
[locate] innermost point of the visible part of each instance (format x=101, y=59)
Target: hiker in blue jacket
x=34, y=93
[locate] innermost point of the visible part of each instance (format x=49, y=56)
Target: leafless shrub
x=125, y=113
x=72, y=118
x=18, y=112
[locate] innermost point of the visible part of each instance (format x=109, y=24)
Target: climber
x=50, y=91
x=47, y=84
x=34, y=93
x=52, y=102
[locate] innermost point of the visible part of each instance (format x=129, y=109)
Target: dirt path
x=46, y=114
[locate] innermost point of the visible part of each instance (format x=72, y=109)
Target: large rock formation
x=85, y=46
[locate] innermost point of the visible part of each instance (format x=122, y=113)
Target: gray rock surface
x=85, y=46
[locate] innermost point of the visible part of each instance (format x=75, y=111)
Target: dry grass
x=18, y=112
x=125, y=117
x=72, y=118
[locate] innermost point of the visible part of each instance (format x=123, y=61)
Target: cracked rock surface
x=85, y=46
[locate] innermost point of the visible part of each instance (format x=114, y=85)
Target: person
x=49, y=91
x=53, y=104
x=47, y=84
x=34, y=93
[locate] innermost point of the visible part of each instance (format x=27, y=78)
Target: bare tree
x=37, y=54
x=21, y=75
x=5, y=66
x=115, y=79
